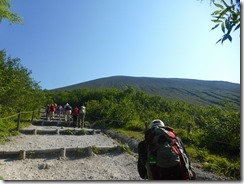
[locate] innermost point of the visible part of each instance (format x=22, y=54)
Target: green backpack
x=163, y=151
x=163, y=147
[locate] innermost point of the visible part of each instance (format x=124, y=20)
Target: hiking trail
x=49, y=150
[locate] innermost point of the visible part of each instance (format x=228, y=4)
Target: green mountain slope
x=197, y=92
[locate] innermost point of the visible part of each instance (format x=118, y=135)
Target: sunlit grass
x=132, y=134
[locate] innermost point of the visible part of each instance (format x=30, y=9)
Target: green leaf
x=230, y=38
x=216, y=12
x=223, y=13
x=226, y=36
x=237, y=27
x=214, y=27
x=225, y=3
x=216, y=20
x=218, y=40
x=228, y=25
x=223, y=27
x=219, y=5
x=217, y=17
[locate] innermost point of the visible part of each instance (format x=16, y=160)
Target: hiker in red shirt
x=75, y=115
x=51, y=111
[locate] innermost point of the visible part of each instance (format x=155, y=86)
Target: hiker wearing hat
x=162, y=156
x=67, y=113
x=81, y=122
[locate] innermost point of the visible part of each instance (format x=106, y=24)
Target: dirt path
x=108, y=166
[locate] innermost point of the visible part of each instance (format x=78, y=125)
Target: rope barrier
x=25, y=112
x=11, y=116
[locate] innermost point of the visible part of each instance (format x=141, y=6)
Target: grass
x=215, y=163
x=132, y=134
x=8, y=128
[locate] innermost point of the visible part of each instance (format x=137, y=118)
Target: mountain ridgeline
x=198, y=92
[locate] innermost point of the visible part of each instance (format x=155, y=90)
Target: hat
x=157, y=122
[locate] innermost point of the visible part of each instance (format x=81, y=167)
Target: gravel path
x=109, y=166
x=30, y=142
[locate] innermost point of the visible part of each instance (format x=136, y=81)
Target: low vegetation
x=18, y=93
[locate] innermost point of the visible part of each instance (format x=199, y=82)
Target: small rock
x=44, y=166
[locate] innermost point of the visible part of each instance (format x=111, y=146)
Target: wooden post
x=63, y=152
x=18, y=123
x=119, y=149
x=22, y=154
x=32, y=117
x=89, y=150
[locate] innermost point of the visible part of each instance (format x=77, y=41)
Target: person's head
x=156, y=122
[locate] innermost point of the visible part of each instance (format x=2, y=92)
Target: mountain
x=198, y=92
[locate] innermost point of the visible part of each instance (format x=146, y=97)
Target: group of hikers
x=75, y=115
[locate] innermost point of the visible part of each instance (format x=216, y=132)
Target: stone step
x=50, y=123
x=59, y=152
x=67, y=131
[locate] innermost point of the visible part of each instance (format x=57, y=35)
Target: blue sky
x=65, y=42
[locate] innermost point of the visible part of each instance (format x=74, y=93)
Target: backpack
x=60, y=108
x=166, y=155
x=75, y=112
x=68, y=107
x=82, y=110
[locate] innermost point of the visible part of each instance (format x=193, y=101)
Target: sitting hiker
x=162, y=156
